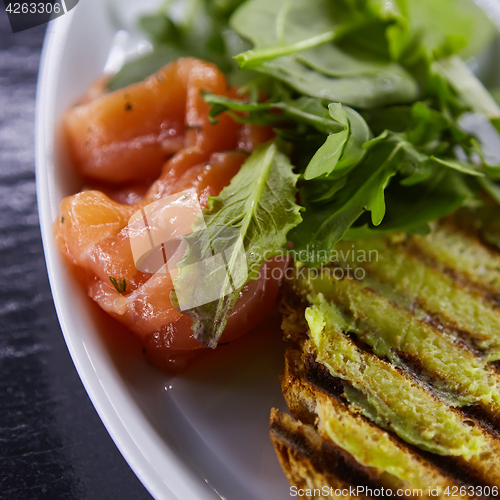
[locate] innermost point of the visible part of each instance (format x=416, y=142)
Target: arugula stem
x=289, y=111
x=281, y=21
x=315, y=121
x=491, y=188
x=460, y=77
x=252, y=58
x=252, y=204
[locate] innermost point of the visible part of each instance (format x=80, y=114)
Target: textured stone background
x=52, y=443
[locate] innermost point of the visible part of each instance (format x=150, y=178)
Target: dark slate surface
x=52, y=443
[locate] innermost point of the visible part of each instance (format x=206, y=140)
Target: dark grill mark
x=438, y=322
x=487, y=293
x=319, y=376
x=444, y=324
x=416, y=370
x=454, y=468
x=329, y=458
x=478, y=415
x=411, y=365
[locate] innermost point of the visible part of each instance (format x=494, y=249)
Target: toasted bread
x=392, y=386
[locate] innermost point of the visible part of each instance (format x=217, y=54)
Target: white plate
x=203, y=435
x=199, y=436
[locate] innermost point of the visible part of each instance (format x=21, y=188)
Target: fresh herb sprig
x=119, y=284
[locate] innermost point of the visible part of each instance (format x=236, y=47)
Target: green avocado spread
x=384, y=394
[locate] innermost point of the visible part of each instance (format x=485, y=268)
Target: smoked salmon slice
x=122, y=138
x=130, y=133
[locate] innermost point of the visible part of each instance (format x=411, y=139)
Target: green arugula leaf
x=323, y=190
x=160, y=28
x=343, y=150
x=446, y=25
x=420, y=173
x=252, y=215
x=377, y=140
x=468, y=87
x=354, y=151
x=326, y=224
x=426, y=125
x=326, y=158
x=393, y=86
x=308, y=23
x=306, y=110
x=392, y=118
x=410, y=209
x=341, y=122
x=330, y=60
x=460, y=166
x=287, y=55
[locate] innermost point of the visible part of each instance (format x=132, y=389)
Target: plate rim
x=179, y=480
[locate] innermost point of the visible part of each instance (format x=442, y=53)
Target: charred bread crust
x=311, y=392
x=315, y=393
x=308, y=462
x=292, y=308
x=309, y=389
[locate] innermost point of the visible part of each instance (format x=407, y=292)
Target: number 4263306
x=33, y=8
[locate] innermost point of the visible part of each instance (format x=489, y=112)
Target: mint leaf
x=251, y=217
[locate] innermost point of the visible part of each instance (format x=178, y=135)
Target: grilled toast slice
x=310, y=464
x=396, y=374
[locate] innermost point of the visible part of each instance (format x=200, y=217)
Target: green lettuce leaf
x=412, y=208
